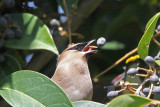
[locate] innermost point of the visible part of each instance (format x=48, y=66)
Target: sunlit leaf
x=129, y=100
x=36, y=34
x=158, y=62
x=32, y=89
x=143, y=46
x=87, y=104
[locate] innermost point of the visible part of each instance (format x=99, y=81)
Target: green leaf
x=113, y=45
x=143, y=46
x=158, y=62
x=87, y=104
x=36, y=34
x=129, y=100
x=9, y=66
x=70, y=4
x=32, y=89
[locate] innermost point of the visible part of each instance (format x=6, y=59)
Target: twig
x=1, y=5
x=150, y=92
x=155, y=102
x=143, y=69
x=117, y=62
x=154, y=40
x=68, y=22
x=122, y=90
x=4, y=33
x=142, y=75
x=130, y=89
x=141, y=86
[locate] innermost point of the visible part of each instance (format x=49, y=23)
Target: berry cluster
x=142, y=90
x=150, y=77
x=8, y=27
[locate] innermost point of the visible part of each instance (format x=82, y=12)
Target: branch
x=117, y=62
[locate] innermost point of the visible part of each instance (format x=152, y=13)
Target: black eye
x=77, y=48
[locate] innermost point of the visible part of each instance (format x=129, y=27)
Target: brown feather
x=72, y=75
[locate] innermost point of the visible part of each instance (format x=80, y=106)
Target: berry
x=156, y=58
x=10, y=34
x=156, y=90
x=112, y=94
x=7, y=17
x=132, y=71
x=18, y=33
x=158, y=27
x=146, y=91
x=149, y=60
x=9, y=3
x=54, y=23
x=2, y=58
x=154, y=79
x=1, y=43
x=101, y=41
x=3, y=22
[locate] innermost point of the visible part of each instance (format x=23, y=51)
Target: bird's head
x=85, y=47
x=78, y=50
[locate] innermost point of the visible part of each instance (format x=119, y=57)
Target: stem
x=155, y=102
x=130, y=89
x=142, y=75
x=150, y=91
x=141, y=86
x=122, y=90
x=4, y=33
x=143, y=69
x=156, y=42
x=133, y=84
x=117, y=62
x=1, y=5
x=133, y=88
x=68, y=22
x=154, y=38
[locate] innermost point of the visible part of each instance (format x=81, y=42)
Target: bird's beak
x=88, y=48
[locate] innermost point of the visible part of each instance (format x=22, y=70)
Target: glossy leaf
x=87, y=104
x=9, y=66
x=36, y=34
x=32, y=89
x=70, y=4
x=129, y=100
x=158, y=62
x=143, y=46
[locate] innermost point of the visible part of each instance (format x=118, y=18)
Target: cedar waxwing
x=72, y=73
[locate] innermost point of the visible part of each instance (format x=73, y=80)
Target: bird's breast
x=74, y=78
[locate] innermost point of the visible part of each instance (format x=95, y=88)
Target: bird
x=72, y=72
